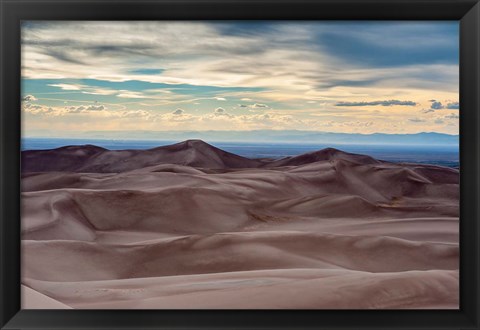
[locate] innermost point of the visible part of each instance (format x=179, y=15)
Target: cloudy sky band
x=362, y=77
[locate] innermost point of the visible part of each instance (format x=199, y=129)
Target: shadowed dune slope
x=195, y=153
x=322, y=155
x=219, y=253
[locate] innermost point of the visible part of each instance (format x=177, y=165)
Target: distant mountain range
x=280, y=136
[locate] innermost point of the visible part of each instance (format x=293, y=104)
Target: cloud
x=141, y=114
x=253, y=106
x=96, y=108
x=436, y=105
x=218, y=113
x=130, y=95
x=29, y=98
x=242, y=122
x=283, y=56
x=75, y=109
x=259, y=105
x=36, y=109
x=416, y=120
x=68, y=87
x=85, y=89
x=177, y=117
x=386, y=103
x=439, y=121
x=452, y=116
x=32, y=106
x=99, y=91
x=85, y=108
x=220, y=99
x=427, y=110
x=453, y=105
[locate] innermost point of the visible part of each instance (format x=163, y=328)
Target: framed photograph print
x=239, y=164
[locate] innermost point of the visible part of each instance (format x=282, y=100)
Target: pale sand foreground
x=325, y=230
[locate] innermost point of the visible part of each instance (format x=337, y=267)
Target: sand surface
x=192, y=226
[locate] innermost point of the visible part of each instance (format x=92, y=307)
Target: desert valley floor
x=192, y=226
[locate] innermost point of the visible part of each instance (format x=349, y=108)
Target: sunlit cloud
x=68, y=87
x=259, y=105
x=137, y=114
x=130, y=95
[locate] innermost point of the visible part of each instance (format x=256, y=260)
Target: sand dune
x=327, y=154
x=227, y=252
x=35, y=300
x=192, y=226
x=195, y=153
x=276, y=289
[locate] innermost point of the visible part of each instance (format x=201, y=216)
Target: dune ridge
x=93, y=159
x=192, y=226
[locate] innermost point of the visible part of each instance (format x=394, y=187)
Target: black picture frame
x=14, y=11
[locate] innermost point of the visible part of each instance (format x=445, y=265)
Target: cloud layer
x=334, y=76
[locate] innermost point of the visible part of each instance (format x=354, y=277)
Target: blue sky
x=350, y=77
